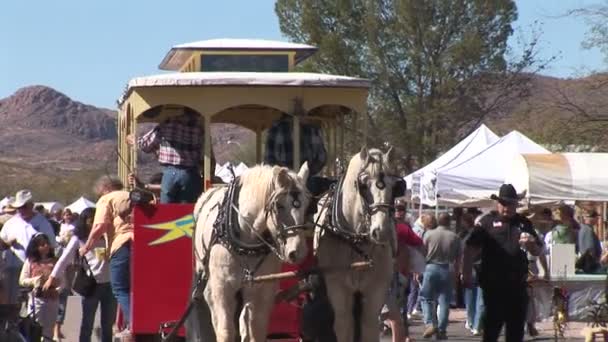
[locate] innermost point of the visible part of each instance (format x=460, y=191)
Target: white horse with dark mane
x=358, y=225
x=259, y=227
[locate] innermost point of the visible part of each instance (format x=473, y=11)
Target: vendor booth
x=565, y=177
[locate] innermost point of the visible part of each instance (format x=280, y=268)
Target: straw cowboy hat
x=6, y=207
x=21, y=198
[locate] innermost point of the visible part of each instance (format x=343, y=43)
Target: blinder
x=399, y=188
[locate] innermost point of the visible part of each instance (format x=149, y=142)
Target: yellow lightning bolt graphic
x=176, y=229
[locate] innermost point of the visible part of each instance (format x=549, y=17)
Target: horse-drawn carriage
x=248, y=231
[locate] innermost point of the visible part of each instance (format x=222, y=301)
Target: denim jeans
x=63, y=304
x=102, y=296
x=120, y=277
x=180, y=185
x=413, y=299
x=473, y=299
x=436, y=287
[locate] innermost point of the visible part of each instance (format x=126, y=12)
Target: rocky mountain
x=40, y=107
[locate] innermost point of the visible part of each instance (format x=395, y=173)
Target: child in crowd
x=43, y=304
x=66, y=231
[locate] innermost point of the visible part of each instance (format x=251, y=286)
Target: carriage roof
x=180, y=53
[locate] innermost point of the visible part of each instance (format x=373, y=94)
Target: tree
x=438, y=68
x=596, y=17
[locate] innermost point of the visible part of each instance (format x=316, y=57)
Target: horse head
x=284, y=212
x=376, y=185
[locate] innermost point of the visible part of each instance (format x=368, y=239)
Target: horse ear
x=363, y=154
x=389, y=156
x=304, y=172
x=281, y=177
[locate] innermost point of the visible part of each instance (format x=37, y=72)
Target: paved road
x=456, y=331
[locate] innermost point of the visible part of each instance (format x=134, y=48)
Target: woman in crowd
x=99, y=265
x=43, y=302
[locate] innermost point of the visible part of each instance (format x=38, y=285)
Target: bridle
x=272, y=208
x=371, y=208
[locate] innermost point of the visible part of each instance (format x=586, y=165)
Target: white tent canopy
x=51, y=207
x=566, y=176
x=80, y=204
x=480, y=176
x=464, y=150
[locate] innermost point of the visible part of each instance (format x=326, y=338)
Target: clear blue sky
x=90, y=49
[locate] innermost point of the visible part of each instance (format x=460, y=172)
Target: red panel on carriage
x=161, y=265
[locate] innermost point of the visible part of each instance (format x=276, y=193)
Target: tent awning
x=565, y=176
x=488, y=169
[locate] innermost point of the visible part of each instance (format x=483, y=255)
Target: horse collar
x=227, y=230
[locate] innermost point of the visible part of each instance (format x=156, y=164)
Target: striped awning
x=565, y=176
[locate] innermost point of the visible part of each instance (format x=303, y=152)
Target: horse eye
x=380, y=185
x=296, y=204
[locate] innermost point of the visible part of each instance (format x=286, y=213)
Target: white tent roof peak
x=80, y=204
x=465, y=149
x=486, y=170
x=181, y=52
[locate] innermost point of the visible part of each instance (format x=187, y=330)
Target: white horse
x=361, y=227
x=270, y=208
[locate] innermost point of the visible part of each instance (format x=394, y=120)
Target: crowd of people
x=454, y=261
x=41, y=252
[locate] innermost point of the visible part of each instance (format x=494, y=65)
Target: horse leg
x=372, y=302
x=342, y=304
x=255, y=317
x=222, y=303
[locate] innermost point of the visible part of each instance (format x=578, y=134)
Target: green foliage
x=437, y=67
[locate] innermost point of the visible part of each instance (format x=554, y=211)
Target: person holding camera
x=37, y=268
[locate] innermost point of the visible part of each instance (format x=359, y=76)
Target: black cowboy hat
x=506, y=195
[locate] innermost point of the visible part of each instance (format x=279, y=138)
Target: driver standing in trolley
x=179, y=141
x=502, y=238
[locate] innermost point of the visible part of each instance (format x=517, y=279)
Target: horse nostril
x=292, y=256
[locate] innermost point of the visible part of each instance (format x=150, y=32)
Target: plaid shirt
x=179, y=141
x=279, y=146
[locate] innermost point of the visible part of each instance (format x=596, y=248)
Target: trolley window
x=245, y=63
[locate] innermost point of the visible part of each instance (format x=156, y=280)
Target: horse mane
x=376, y=164
x=259, y=183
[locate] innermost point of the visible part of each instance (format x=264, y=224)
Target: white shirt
x=65, y=232
x=22, y=231
x=100, y=267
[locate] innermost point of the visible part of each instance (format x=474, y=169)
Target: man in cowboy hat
x=16, y=235
x=502, y=238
